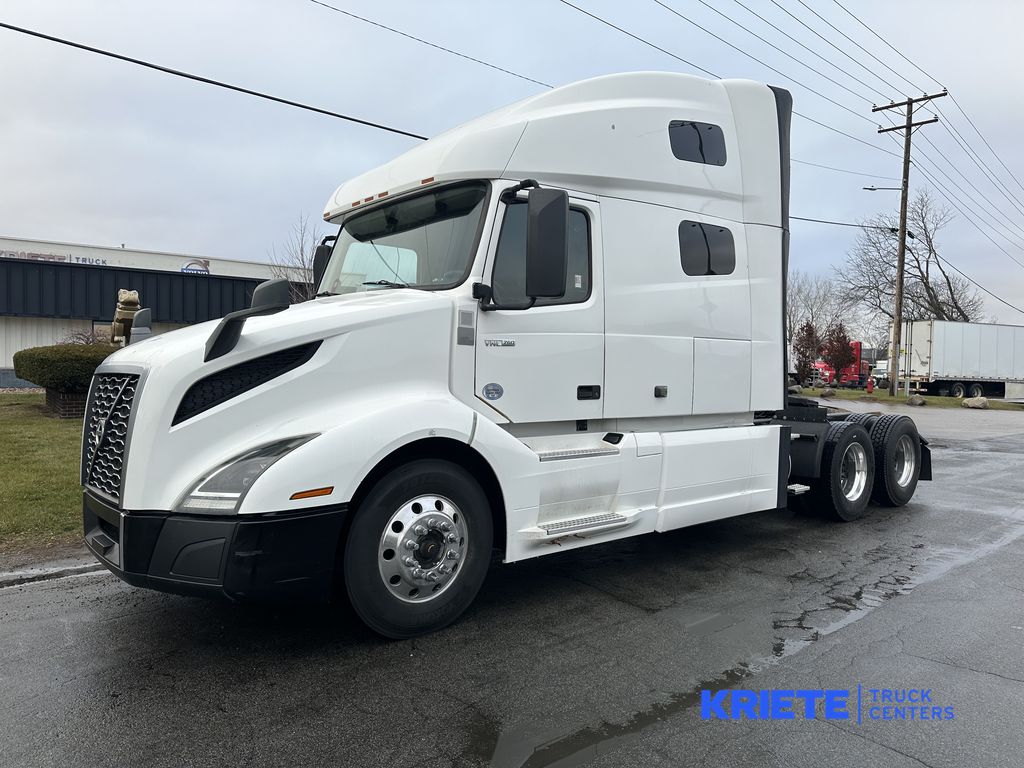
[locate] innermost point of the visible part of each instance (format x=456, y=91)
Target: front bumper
x=277, y=556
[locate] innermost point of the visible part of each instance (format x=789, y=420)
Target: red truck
x=853, y=375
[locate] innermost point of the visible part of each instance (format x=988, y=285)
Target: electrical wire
x=210, y=81
x=607, y=23
x=763, y=63
x=427, y=42
x=806, y=47
x=844, y=170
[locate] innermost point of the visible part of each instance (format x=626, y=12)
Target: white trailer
x=962, y=359
x=558, y=325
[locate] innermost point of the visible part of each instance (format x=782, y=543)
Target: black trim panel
x=273, y=556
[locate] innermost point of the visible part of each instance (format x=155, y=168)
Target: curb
x=32, y=575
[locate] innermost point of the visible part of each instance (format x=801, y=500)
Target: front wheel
x=419, y=549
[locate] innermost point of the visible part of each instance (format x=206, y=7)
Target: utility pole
x=897, y=320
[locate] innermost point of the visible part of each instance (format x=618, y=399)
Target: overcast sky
x=102, y=152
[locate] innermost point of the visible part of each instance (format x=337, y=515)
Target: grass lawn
x=40, y=498
x=936, y=401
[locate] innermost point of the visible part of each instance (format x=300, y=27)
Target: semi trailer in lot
x=962, y=359
x=557, y=325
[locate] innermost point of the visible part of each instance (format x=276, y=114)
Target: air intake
x=231, y=382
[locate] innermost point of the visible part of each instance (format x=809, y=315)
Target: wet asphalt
x=593, y=657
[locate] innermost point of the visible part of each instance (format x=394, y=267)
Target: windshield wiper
x=387, y=283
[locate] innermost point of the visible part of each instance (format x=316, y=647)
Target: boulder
x=794, y=389
x=916, y=400
x=974, y=402
x=827, y=392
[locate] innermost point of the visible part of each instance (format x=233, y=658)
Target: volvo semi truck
x=558, y=325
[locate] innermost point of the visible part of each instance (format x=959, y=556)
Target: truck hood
x=309, y=321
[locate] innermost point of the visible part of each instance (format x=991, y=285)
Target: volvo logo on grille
x=99, y=432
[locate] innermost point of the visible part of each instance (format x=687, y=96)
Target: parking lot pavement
x=596, y=656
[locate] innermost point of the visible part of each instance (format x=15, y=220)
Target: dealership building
x=50, y=290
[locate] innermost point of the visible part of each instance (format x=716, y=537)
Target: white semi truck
x=558, y=325
x=961, y=359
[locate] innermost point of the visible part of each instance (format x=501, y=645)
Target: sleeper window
x=509, y=276
x=697, y=142
x=706, y=249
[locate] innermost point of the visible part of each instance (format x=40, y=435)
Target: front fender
x=352, y=443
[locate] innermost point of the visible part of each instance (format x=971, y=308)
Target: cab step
x=577, y=453
x=605, y=521
x=795, y=489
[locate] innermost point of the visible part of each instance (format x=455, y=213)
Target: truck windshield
x=424, y=242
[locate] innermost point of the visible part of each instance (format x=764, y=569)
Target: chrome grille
x=106, y=431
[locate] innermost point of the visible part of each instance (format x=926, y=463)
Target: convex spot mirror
x=547, y=243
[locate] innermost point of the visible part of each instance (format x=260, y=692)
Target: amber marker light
x=312, y=493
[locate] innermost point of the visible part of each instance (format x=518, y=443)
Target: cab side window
x=706, y=249
x=509, y=276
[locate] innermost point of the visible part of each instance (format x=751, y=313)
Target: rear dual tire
x=847, y=472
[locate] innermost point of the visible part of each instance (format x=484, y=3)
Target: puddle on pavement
x=550, y=745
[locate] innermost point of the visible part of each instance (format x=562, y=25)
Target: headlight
x=221, y=491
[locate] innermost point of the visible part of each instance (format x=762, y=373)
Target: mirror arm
x=485, y=295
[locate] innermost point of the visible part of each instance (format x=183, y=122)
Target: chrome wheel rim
x=421, y=548
x=906, y=460
x=853, y=471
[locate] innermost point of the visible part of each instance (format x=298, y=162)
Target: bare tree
x=930, y=290
x=294, y=260
x=814, y=299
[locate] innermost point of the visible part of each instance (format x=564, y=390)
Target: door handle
x=588, y=392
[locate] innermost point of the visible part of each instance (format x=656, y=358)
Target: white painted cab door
x=545, y=363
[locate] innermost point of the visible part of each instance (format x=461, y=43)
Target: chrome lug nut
x=446, y=526
x=409, y=561
x=432, y=576
x=417, y=573
x=431, y=523
x=410, y=544
x=452, y=538
x=453, y=555
x=444, y=569
x=419, y=530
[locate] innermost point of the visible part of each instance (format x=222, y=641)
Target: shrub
x=63, y=367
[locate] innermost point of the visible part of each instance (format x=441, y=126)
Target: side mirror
x=547, y=243
x=321, y=256
x=141, y=326
x=272, y=294
x=269, y=297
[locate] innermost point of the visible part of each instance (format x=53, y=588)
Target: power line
x=806, y=47
x=850, y=39
x=768, y=43
x=844, y=170
x=840, y=223
x=752, y=57
x=210, y=81
x=640, y=39
x=891, y=46
x=982, y=137
x=427, y=42
x=816, y=33
x=712, y=74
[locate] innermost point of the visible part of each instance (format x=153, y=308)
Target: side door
x=545, y=362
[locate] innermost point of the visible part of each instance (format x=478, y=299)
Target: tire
x=866, y=420
x=400, y=599
x=958, y=390
x=893, y=439
x=847, y=472
x=976, y=390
